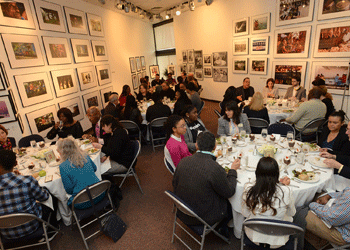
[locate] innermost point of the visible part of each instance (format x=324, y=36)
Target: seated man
x=94, y=116
x=113, y=107
x=157, y=110
x=245, y=91
x=296, y=92
x=209, y=191
x=167, y=91
x=332, y=209
x=19, y=194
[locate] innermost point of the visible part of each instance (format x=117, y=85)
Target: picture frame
x=241, y=27
x=143, y=74
x=259, y=45
x=198, y=74
x=293, y=12
x=138, y=63
x=183, y=68
x=23, y=50
x=4, y=78
x=184, y=56
x=92, y=99
x=13, y=102
x=240, y=65
x=95, y=25
x=19, y=16
x=103, y=74
x=34, y=88
x=208, y=60
x=153, y=70
x=138, y=79
x=74, y=105
x=143, y=62
x=20, y=122
x=283, y=72
x=87, y=77
x=172, y=69
x=220, y=74
x=220, y=59
x=292, y=42
x=81, y=50
x=134, y=81
x=198, y=59
x=7, y=113
x=57, y=50
x=132, y=64
x=332, y=40
x=76, y=21
x=42, y=120
x=65, y=82
x=100, y=50
x=50, y=156
x=332, y=9
x=208, y=72
x=50, y=16
x=190, y=58
x=328, y=71
x=240, y=46
x=190, y=68
x=105, y=93
x=260, y=23
x=258, y=66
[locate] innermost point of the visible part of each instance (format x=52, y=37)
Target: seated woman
x=77, y=170
x=267, y=199
x=193, y=95
x=182, y=101
x=333, y=138
x=125, y=92
x=193, y=127
x=230, y=95
x=228, y=124
x=256, y=109
x=270, y=91
x=66, y=126
x=117, y=145
x=6, y=143
x=131, y=112
x=143, y=93
x=176, y=147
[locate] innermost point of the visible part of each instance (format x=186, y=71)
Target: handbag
x=111, y=225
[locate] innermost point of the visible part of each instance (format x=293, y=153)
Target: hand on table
x=323, y=150
x=323, y=199
x=103, y=159
x=236, y=164
x=97, y=145
x=35, y=175
x=332, y=163
x=327, y=155
x=285, y=180
x=93, y=139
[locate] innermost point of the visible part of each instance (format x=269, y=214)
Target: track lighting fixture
x=191, y=5
x=209, y=2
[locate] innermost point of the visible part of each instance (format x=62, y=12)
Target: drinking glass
x=291, y=143
x=264, y=133
x=305, y=149
x=300, y=158
x=60, y=126
x=33, y=144
x=224, y=150
x=222, y=140
x=243, y=134
x=290, y=136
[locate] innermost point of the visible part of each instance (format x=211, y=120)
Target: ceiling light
x=127, y=8
x=209, y=2
x=191, y=5
x=168, y=15
x=178, y=12
x=133, y=8
x=142, y=14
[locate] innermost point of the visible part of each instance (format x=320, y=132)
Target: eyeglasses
x=182, y=126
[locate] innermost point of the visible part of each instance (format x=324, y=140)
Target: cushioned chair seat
x=85, y=213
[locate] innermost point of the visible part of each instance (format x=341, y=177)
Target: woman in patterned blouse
x=4, y=141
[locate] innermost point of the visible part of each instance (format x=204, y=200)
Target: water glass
x=33, y=144
x=222, y=140
x=264, y=133
x=243, y=134
x=305, y=149
x=300, y=158
x=224, y=151
x=290, y=136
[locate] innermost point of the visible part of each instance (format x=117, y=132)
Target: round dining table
x=144, y=105
x=276, y=113
x=303, y=191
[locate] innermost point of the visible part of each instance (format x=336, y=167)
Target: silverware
x=317, y=169
x=238, y=181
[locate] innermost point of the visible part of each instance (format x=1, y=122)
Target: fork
x=317, y=169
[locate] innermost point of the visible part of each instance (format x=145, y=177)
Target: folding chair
x=25, y=141
x=131, y=170
x=280, y=128
x=15, y=220
x=201, y=230
x=314, y=124
x=272, y=227
x=217, y=113
x=201, y=108
x=96, y=190
x=169, y=166
x=157, y=124
x=132, y=127
x=257, y=124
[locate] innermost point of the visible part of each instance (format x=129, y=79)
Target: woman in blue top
x=77, y=170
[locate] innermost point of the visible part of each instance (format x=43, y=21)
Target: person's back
x=196, y=100
x=157, y=110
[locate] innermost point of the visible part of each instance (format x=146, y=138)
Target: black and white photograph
x=208, y=60
x=220, y=74
x=134, y=81
x=143, y=62
x=220, y=59
x=183, y=68
x=92, y=99
x=184, y=56
x=172, y=70
x=240, y=65
x=241, y=27
x=208, y=71
x=190, y=68
x=132, y=64
x=293, y=12
x=199, y=74
x=190, y=58
x=105, y=93
x=198, y=59
x=138, y=63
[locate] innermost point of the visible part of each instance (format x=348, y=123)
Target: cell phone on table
x=48, y=178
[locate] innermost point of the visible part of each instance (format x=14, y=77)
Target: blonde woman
x=256, y=109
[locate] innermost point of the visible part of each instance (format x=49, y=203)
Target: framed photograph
x=184, y=56
x=65, y=82
x=34, y=88
x=190, y=58
x=92, y=99
x=132, y=64
x=76, y=21
x=172, y=70
x=328, y=9
x=260, y=24
x=4, y=78
x=259, y=45
x=87, y=77
x=258, y=66
x=12, y=100
x=50, y=16
x=103, y=74
x=105, y=93
x=75, y=105
x=57, y=50
x=190, y=68
x=7, y=113
x=283, y=72
x=153, y=70
x=20, y=122
x=208, y=60
x=143, y=74
x=138, y=63
x=50, y=156
x=220, y=59
x=81, y=50
x=143, y=62
x=183, y=68
x=198, y=59
x=241, y=27
x=240, y=46
x=292, y=43
x=220, y=74
x=100, y=50
x=16, y=14
x=296, y=11
x=138, y=79
x=208, y=71
x=332, y=40
x=240, y=65
x=95, y=25
x=23, y=50
x=335, y=74
x=42, y=120
x=199, y=74
x=134, y=81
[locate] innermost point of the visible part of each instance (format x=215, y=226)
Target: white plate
x=317, y=161
x=88, y=151
x=250, y=169
x=241, y=144
x=316, y=179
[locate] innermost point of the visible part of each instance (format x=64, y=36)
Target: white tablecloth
x=303, y=195
x=145, y=105
x=276, y=113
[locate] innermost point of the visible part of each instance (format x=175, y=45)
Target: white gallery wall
x=209, y=28
x=124, y=36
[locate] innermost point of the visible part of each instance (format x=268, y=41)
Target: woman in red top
x=126, y=91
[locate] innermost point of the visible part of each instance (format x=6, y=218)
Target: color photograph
x=333, y=9
x=259, y=45
x=103, y=74
x=87, y=77
x=16, y=14
x=57, y=50
x=153, y=70
x=65, y=82
x=220, y=74
x=240, y=46
x=7, y=109
x=41, y=120
x=50, y=16
x=95, y=25
x=260, y=23
x=35, y=88
x=241, y=27
x=24, y=51
x=82, y=50
x=240, y=65
x=143, y=62
x=14, y=10
x=92, y=99
x=100, y=51
x=76, y=21
x=44, y=122
x=4, y=112
x=258, y=66
x=294, y=11
x=138, y=63
x=75, y=106
x=105, y=93
x=283, y=72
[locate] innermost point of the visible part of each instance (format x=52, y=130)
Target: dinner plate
x=91, y=151
x=316, y=179
x=250, y=169
x=317, y=161
x=241, y=144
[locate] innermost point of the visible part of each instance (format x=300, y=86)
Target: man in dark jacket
x=113, y=107
x=245, y=91
x=158, y=109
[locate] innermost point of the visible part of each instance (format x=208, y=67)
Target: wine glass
x=60, y=126
x=264, y=133
x=290, y=136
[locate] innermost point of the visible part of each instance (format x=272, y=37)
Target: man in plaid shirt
x=18, y=194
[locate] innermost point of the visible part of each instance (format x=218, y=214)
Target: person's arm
x=266, y=115
x=68, y=183
x=189, y=140
x=224, y=184
x=291, y=206
x=246, y=124
x=221, y=126
x=303, y=94
x=52, y=133
x=297, y=114
x=36, y=191
x=115, y=144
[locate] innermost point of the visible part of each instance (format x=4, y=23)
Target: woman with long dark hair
x=131, y=112
x=143, y=93
x=182, y=101
x=230, y=95
x=268, y=198
x=125, y=92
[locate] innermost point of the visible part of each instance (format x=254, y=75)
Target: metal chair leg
x=138, y=181
x=46, y=238
x=81, y=232
x=174, y=227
